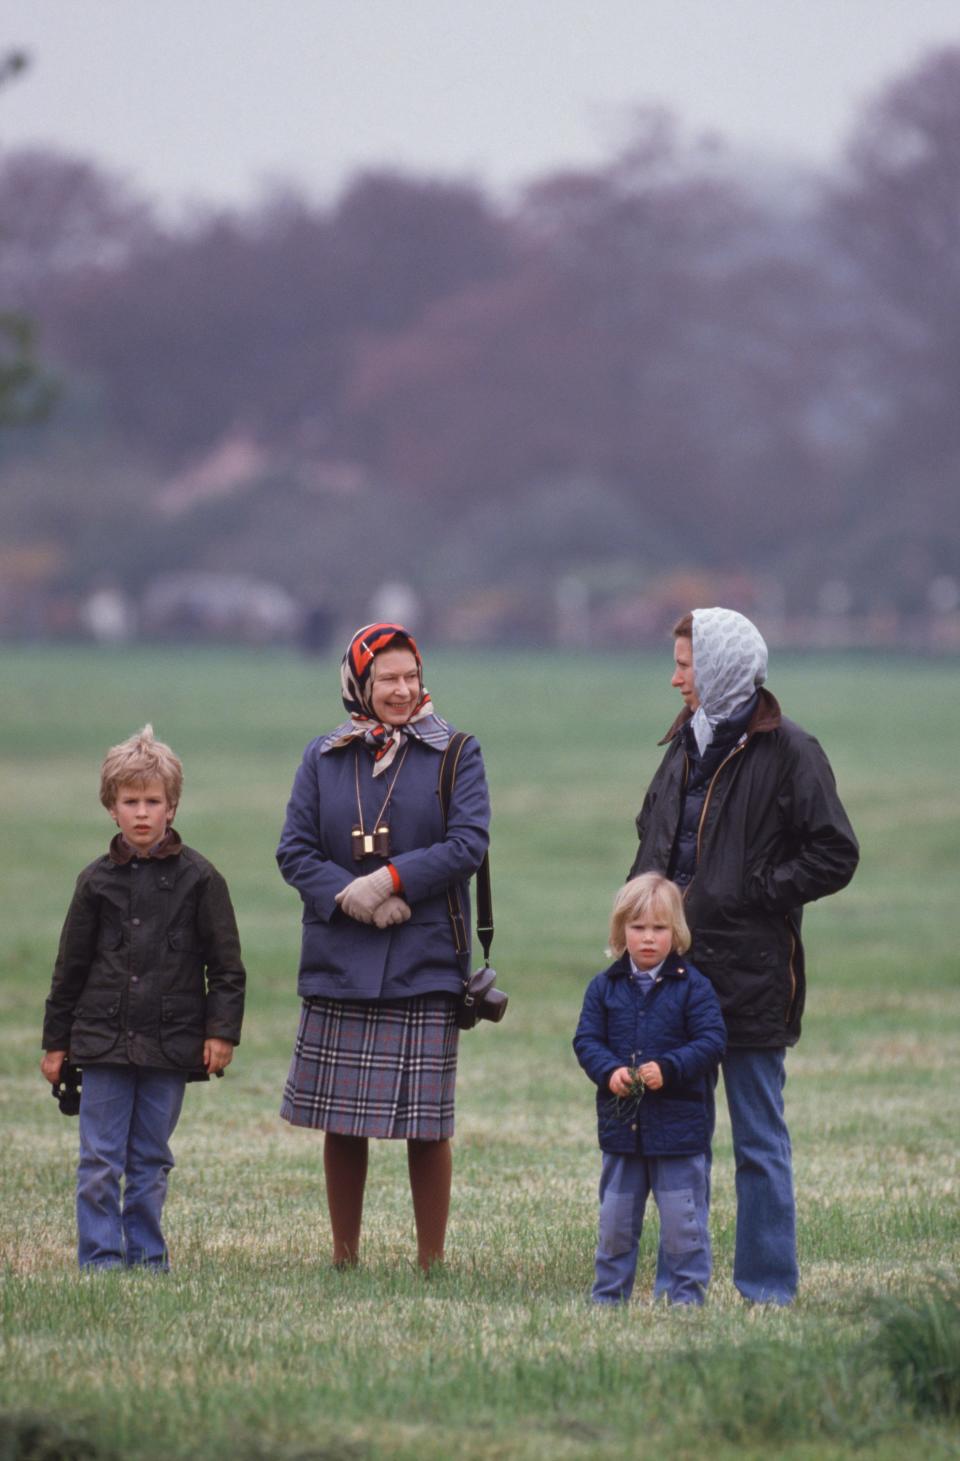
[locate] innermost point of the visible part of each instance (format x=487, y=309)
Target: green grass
x=252, y=1346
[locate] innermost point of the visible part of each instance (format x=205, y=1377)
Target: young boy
x=650, y=1037
x=147, y=993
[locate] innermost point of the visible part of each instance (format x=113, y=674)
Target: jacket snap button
x=633, y=1126
x=135, y=922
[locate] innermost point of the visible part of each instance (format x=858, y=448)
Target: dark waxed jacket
x=773, y=836
x=149, y=962
x=679, y=1025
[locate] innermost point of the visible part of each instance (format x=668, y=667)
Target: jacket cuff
x=397, y=880
x=218, y=1032
x=668, y=1069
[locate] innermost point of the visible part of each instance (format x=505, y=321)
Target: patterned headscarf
x=729, y=662
x=356, y=684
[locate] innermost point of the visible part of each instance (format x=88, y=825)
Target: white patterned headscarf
x=729, y=662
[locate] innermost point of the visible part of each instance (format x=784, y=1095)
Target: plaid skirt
x=375, y=1068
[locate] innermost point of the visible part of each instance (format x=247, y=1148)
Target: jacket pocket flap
x=98, y=1007
x=182, y=1008
x=184, y=940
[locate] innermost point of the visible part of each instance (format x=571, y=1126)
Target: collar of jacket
x=674, y=966
x=431, y=731
x=121, y=852
x=766, y=717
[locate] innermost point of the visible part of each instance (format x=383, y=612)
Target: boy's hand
x=217, y=1054
x=619, y=1082
x=651, y=1075
x=52, y=1064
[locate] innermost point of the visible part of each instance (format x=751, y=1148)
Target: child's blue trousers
x=127, y=1116
x=679, y=1186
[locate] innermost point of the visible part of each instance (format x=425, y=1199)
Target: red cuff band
x=397, y=884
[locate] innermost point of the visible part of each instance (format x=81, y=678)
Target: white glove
x=393, y=910
x=361, y=898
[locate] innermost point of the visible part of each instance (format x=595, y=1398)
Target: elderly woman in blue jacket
x=366, y=847
x=650, y=1037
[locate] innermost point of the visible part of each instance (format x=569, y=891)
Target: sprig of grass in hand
x=624, y=1108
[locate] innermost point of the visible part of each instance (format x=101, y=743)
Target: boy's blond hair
x=136, y=761
x=650, y=893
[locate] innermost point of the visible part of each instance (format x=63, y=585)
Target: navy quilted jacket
x=679, y=1025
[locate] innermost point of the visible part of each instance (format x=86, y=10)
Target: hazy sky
x=210, y=99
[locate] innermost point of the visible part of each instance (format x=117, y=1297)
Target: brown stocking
x=431, y=1166
x=345, y=1168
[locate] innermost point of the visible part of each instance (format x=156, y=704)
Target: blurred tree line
x=661, y=364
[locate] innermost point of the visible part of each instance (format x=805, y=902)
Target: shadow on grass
x=30, y=1437
x=917, y=1340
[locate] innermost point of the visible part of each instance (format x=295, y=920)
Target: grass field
x=252, y=1346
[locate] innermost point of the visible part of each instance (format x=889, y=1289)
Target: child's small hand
x=651, y=1075
x=619, y=1082
x=52, y=1064
x=217, y=1055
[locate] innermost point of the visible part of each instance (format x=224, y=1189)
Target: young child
x=651, y=1016
x=147, y=993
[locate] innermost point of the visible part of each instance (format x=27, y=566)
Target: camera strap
x=446, y=782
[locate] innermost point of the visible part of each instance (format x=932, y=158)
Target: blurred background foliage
x=666, y=376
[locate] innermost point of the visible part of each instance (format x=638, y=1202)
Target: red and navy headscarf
x=356, y=682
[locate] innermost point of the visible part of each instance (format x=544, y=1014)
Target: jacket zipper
x=740, y=746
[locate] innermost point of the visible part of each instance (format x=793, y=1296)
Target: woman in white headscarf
x=743, y=814
x=730, y=656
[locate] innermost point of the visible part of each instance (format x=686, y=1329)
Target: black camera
x=66, y=1092
x=480, y=999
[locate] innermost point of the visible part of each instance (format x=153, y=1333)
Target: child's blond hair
x=649, y=894
x=136, y=761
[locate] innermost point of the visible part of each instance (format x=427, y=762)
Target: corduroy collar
x=674, y=966
x=766, y=717
x=121, y=852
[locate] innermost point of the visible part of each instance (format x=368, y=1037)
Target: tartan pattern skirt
x=375, y=1068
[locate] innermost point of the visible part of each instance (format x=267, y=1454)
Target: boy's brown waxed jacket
x=149, y=962
x=773, y=836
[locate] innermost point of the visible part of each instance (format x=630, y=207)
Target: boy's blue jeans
x=765, y=1256
x=127, y=1116
x=679, y=1185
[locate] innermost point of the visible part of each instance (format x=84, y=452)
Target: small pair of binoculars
x=370, y=844
x=67, y=1090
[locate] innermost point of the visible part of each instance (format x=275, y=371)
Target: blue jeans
x=765, y=1254
x=679, y=1187
x=127, y=1116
